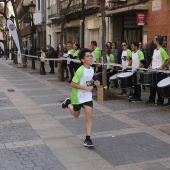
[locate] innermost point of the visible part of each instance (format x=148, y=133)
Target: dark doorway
x=131, y=31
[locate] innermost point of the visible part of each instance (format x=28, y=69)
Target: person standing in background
x=76, y=48
x=70, y=53
x=50, y=54
x=42, y=60
x=97, y=54
x=149, y=51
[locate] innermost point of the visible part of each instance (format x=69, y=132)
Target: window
x=39, y=5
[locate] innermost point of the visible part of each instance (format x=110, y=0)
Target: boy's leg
x=88, y=106
x=88, y=114
x=73, y=111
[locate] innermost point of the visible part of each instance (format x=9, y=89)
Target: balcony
x=117, y=3
x=53, y=12
x=26, y=31
x=76, y=6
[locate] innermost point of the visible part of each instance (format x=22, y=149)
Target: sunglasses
x=123, y=44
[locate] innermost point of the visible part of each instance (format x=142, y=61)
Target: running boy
x=81, y=95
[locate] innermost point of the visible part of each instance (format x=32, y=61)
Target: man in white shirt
x=160, y=60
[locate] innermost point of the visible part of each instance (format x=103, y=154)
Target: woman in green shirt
x=76, y=48
x=110, y=60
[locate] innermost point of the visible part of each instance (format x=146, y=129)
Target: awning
x=140, y=7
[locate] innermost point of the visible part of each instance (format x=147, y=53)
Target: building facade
x=121, y=21
x=159, y=21
x=37, y=28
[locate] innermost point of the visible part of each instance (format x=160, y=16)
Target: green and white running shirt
x=83, y=77
x=159, y=58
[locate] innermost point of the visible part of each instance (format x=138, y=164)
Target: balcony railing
x=26, y=31
x=53, y=12
x=76, y=5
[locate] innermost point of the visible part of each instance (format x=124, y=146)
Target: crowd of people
x=136, y=55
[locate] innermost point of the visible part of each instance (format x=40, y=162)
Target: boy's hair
x=159, y=40
x=82, y=53
x=136, y=44
x=94, y=43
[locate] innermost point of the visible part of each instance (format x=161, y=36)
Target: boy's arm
x=129, y=55
x=78, y=86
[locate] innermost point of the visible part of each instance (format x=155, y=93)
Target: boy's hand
x=89, y=88
x=97, y=83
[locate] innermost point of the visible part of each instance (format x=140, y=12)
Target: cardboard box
x=100, y=91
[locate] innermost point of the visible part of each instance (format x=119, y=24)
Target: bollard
x=33, y=63
x=100, y=92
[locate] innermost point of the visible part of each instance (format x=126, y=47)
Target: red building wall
x=159, y=22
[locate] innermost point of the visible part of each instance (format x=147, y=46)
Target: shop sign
x=156, y=5
x=141, y=18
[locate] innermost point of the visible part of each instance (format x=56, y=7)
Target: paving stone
x=130, y=149
x=23, y=86
x=17, y=132
x=10, y=159
x=116, y=105
x=29, y=81
x=21, y=77
x=5, y=103
x=52, y=132
x=165, y=162
x=41, y=92
x=100, y=124
x=91, y=165
x=49, y=99
x=57, y=110
x=152, y=165
x=151, y=117
x=128, y=167
x=2, y=95
x=9, y=114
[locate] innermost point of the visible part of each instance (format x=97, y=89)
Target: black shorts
x=77, y=107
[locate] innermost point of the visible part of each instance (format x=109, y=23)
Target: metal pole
x=82, y=26
x=32, y=39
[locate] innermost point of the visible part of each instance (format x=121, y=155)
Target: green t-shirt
x=97, y=53
x=110, y=59
x=129, y=53
x=72, y=52
x=76, y=54
x=164, y=54
x=83, y=77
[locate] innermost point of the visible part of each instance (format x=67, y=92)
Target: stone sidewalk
x=36, y=133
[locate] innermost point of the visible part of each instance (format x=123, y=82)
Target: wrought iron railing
x=53, y=11
x=76, y=5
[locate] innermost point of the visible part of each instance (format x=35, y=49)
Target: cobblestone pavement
x=37, y=134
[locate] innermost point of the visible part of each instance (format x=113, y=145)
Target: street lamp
x=32, y=50
x=12, y=18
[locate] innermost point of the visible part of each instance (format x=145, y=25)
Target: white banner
x=13, y=31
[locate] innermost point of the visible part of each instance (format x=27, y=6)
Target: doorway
x=131, y=31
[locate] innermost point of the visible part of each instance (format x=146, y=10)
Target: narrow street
x=37, y=134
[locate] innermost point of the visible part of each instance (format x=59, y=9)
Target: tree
x=62, y=20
